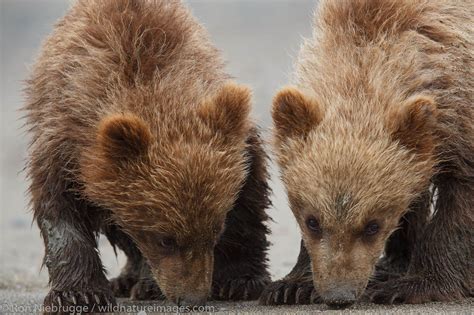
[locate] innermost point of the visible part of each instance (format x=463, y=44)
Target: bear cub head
x=169, y=182
x=351, y=169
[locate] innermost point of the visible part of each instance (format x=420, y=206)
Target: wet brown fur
x=138, y=133
x=394, y=83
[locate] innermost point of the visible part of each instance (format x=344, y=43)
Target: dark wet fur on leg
x=402, y=242
x=240, y=268
x=432, y=276
x=130, y=274
x=81, y=282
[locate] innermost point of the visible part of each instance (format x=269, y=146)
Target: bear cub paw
x=289, y=292
x=386, y=270
x=146, y=289
x=122, y=285
x=90, y=301
x=413, y=290
x=239, y=289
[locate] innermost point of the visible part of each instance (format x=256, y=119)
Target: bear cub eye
x=168, y=243
x=371, y=228
x=313, y=224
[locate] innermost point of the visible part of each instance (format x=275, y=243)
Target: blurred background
x=259, y=39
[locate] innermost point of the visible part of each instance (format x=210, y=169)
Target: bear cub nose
x=339, y=297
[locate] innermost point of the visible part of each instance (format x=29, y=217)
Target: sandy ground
x=27, y=302
x=259, y=38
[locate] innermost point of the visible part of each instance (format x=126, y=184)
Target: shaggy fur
x=387, y=88
x=137, y=133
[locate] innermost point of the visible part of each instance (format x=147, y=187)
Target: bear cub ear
x=227, y=111
x=413, y=123
x=123, y=136
x=294, y=114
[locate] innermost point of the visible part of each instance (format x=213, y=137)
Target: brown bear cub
x=377, y=131
x=139, y=134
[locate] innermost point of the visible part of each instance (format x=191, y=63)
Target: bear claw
x=411, y=290
x=240, y=289
x=59, y=302
x=285, y=292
